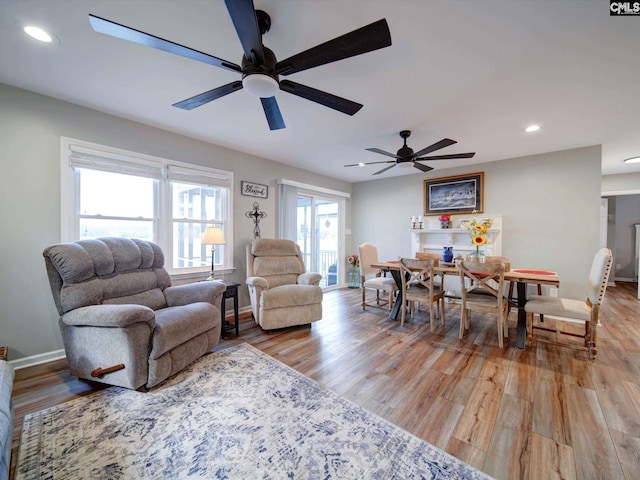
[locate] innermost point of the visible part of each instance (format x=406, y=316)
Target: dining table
x=521, y=276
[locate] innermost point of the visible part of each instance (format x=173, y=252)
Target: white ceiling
x=476, y=71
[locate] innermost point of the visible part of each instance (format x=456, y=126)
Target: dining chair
x=507, y=267
x=512, y=301
x=437, y=258
x=372, y=279
x=482, y=287
x=584, y=312
x=418, y=285
x=438, y=279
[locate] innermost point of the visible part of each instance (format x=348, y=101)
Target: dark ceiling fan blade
x=445, y=142
x=323, y=98
x=382, y=152
x=368, y=163
x=272, y=112
x=366, y=39
x=243, y=16
x=448, y=157
x=424, y=168
x=114, y=29
x=384, y=169
x=206, y=97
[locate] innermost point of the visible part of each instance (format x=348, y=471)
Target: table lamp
x=213, y=236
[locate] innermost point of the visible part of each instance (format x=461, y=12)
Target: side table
x=231, y=292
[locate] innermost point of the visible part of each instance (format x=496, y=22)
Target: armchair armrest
x=258, y=282
x=209, y=291
x=309, y=279
x=110, y=316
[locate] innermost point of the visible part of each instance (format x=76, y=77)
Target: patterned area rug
x=234, y=414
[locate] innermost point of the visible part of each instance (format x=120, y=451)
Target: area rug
x=234, y=414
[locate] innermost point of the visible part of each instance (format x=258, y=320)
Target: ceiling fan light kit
x=260, y=68
x=260, y=85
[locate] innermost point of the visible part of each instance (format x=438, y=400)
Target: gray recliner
x=122, y=322
x=282, y=293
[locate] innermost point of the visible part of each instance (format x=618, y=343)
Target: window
x=111, y=192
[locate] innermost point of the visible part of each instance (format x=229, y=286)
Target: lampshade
x=213, y=236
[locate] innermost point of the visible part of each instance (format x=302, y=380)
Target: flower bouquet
x=478, y=230
x=353, y=278
x=445, y=220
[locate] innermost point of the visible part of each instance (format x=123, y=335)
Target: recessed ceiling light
x=361, y=164
x=532, y=128
x=632, y=160
x=38, y=33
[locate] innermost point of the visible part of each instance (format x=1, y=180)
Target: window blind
x=195, y=176
x=82, y=157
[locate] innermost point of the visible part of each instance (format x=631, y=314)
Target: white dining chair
x=561, y=310
x=372, y=279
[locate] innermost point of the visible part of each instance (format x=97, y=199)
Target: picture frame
x=458, y=194
x=251, y=189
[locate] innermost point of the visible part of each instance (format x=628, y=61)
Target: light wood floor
x=543, y=414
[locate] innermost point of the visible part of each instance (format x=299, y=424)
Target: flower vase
x=353, y=277
x=447, y=254
x=477, y=256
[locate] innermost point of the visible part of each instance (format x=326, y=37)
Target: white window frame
x=69, y=198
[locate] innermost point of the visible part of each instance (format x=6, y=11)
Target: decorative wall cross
x=256, y=214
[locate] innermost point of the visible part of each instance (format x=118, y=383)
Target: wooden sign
x=251, y=189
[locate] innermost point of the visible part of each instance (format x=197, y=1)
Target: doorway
x=314, y=219
x=317, y=230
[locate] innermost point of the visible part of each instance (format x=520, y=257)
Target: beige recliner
x=282, y=293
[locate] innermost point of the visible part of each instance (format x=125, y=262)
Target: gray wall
x=30, y=129
x=550, y=207
x=625, y=212
x=620, y=227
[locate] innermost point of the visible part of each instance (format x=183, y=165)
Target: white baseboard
x=37, y=359
x=624, y=279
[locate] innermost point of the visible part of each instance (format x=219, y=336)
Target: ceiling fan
x=259, y=67
x=405, y=157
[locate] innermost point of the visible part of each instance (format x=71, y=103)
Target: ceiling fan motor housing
x=260, y=80
x=406, y=153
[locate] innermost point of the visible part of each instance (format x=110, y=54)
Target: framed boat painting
x=458, y=194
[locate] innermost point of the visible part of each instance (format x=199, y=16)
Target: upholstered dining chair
x=482, y=287
x=418, y=285
x=371, y=278
x=585, y=312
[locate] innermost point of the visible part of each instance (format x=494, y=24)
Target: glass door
x=317, y=232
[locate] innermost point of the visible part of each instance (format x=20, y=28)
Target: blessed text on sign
x=254, y=189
